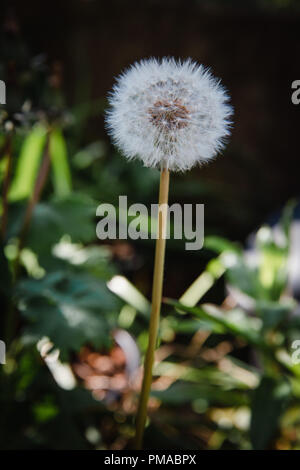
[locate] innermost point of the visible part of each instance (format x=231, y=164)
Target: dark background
x=252, y=46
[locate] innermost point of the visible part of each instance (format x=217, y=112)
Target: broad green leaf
x=273, y=313
x=60, y=165
x=70, y=309
x=72, y=215
x=27, y=164
x=242, y=276
x=272, y=263
x=93, y=259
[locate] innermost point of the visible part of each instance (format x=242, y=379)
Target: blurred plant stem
x=156, y=306
x=37, y=191
x=6, y=152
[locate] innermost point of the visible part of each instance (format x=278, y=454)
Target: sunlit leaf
x=235, y=322
x=124, y=289
x=60, y=165
x=221, y=245
x=27, y=164
x=214, y=270
x=72, y=215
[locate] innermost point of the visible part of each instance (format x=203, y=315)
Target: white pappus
x=169, y=113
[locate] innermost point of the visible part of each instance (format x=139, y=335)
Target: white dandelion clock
x=169, y=114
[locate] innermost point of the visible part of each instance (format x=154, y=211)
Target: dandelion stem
x=156, y=305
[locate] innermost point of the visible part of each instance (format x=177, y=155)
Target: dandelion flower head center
x=168, y=115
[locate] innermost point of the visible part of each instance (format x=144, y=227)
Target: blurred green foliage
x=224, y=378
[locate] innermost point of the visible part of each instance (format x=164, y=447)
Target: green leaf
x=235, y=322
x=95, y=260
x=272, y=267
x=60, y=165
x=70, y=309
x=273, y=313
x=72, y=215
x=208, y=375
x=269, y=400
x=221, y=245
x=243, y=277
x=28, y=164
x=214, y=270
x=179, y=393
x=126, y=291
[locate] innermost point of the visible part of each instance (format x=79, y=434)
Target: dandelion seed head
x=169, y=113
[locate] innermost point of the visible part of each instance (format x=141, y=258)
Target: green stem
x=156, y=305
